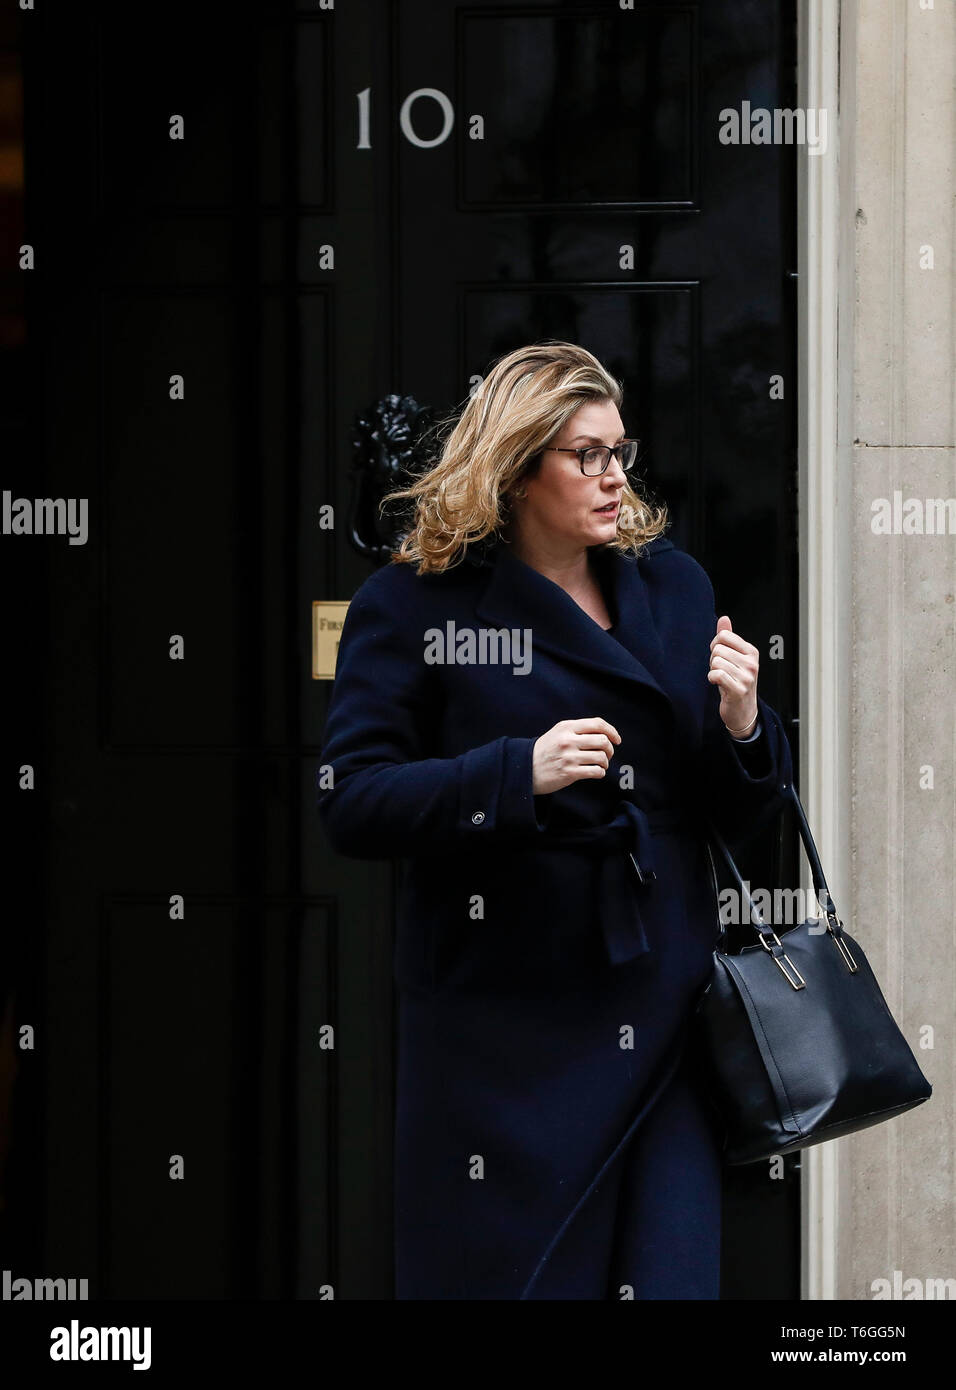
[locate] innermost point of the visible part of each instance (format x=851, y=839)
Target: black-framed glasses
x=595, y=460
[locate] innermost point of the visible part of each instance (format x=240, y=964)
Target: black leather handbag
x=793, y=1033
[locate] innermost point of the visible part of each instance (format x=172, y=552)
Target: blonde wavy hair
x=465, y=495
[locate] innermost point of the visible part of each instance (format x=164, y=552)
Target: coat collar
x=518, y=596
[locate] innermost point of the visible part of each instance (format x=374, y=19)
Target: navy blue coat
x=551, y=1142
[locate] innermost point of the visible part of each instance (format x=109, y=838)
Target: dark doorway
x=213, y=305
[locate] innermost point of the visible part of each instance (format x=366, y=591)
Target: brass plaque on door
x=328, y=618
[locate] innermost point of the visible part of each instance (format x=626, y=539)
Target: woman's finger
x=747, y=674
x=746, y=661
x=732, y=661
x=596, y=741
x=727, y=682
x=587, y=726
x=590, y=757
x=732, y=639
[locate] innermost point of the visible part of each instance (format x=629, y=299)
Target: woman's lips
x=609, y=510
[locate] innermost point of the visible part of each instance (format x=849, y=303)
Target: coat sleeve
x=743, y=785
x=386, y=798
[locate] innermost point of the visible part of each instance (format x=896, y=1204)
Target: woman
x=534, y=707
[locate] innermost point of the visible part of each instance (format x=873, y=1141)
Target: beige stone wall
x=896, y=1183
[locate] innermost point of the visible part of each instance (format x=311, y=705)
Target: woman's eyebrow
x=593, y=439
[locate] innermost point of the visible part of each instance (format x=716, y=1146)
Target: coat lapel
x=518, y=596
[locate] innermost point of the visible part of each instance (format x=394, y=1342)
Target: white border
x=826, y=29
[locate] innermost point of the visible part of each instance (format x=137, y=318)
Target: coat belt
x=626, y=879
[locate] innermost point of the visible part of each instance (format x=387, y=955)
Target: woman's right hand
x=572, y=750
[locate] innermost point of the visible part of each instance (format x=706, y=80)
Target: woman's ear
x=532, y=467
x=529, y=470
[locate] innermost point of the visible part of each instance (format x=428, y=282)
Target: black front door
x=248, y=239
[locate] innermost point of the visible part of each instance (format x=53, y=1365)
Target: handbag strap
x=820, y=887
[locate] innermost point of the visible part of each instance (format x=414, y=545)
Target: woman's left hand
x=733, y=667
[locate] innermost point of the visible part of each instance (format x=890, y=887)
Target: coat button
x=477, y=818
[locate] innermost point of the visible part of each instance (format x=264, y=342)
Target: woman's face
x=561, y=504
